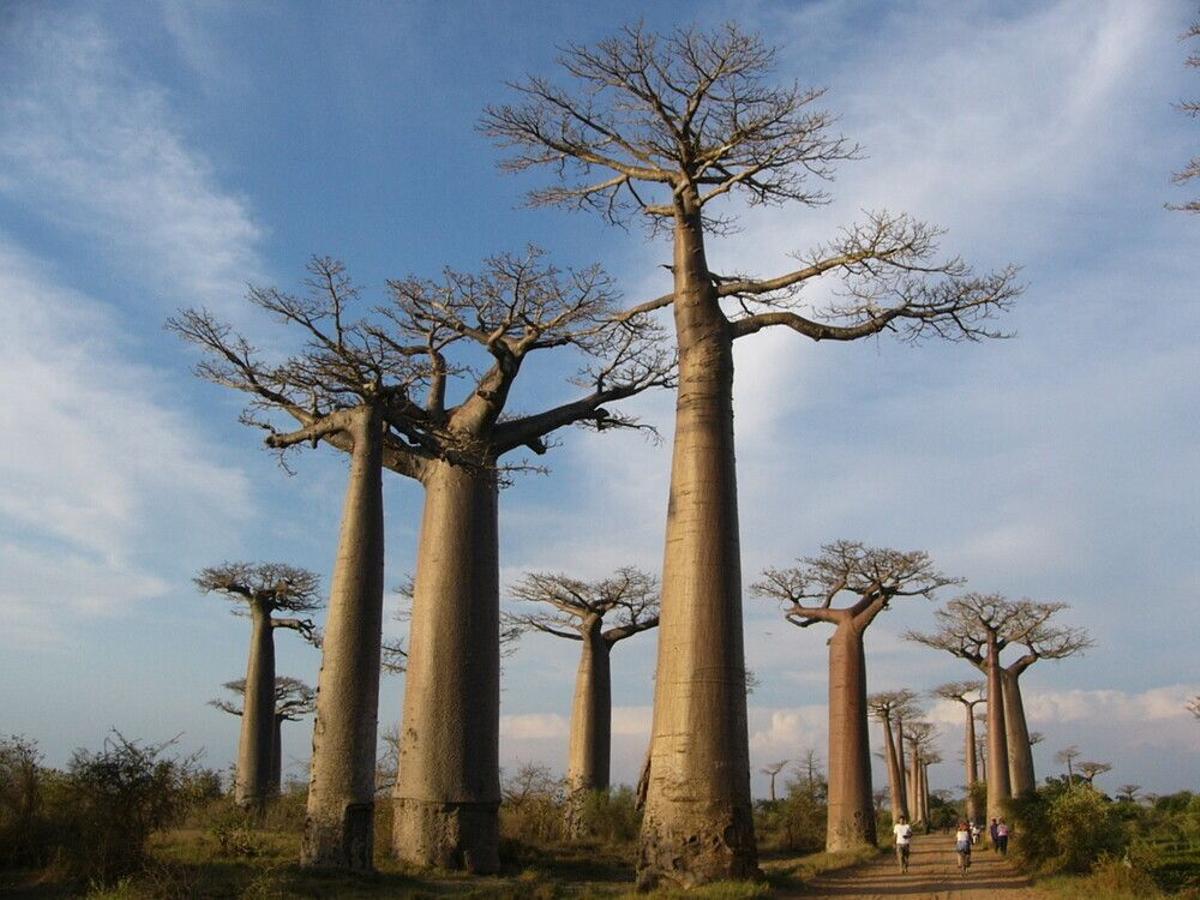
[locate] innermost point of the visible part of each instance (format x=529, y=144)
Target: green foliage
x=611, y=816
x=797, y=823
x=1067, y=830
x=24, y=830
x=533, y=807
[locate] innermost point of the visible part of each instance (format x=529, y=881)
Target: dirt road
x=932, y=873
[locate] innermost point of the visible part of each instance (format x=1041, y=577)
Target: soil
x=932, y=873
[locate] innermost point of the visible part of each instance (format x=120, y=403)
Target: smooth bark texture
x=448, y=790
x=698, y=825
x=895, y=775
x=851, y=821
x=253, y=785
x=590, y=745
x=999, y=787
x=276, y=783
x=972, y=765
x=1020, y=750
x=339, y=825
x=903, y=768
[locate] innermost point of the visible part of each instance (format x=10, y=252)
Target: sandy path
x=932, y=873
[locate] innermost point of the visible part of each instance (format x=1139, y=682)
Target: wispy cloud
x=96, y=148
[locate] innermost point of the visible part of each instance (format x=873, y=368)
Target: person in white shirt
x=962, y=846
x=903, y=832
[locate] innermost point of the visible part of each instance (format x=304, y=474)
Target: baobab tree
x=969, y=694
x=771, y=770
x=260, y=591
x=971, y=628
x=294, y=700
x=1089, y=770
x=353, y=387
x=1128, y=792
x=1023, y=623
x=892, y=708
x=666, y=127
x=1067, y=756
x=922, y=738
x=872, y=578
x=627, y=603
x=1193, y=706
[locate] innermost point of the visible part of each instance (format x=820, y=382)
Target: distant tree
x=663, y=127
x=772, y=770
x=259, y=591
x=1191, y=108
x=871, y=578
x=1035, y=738
x=1067, y=757
x=922, y=738
x=1128, y=792
x=294, y=700
x=891, y=708
x=976, y=628
x=352, y=386
x=1193, y=706
x=969, y=694
x=1089, y=770
x=598, y=614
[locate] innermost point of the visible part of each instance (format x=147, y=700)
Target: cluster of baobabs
x=663, y=128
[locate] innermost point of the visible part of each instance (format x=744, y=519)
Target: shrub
x=1085, y=827
x=533, y=806
x=113, y=800
x=611, y=816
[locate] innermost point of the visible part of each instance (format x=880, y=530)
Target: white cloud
x=88, y=144
x=534, y=726
x=1142, y=707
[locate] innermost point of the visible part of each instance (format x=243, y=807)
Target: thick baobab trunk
x=698, y=825
x=448, y=790
x=914, y=785
x=999, y=788
x=339, y=825
x=851, y=821
x=1020, y=751
x=254, y=747
x=277, y=758
x=591, y=724
x=902, y=767
x=972, y=765
x=924, y=773
x=895, y=778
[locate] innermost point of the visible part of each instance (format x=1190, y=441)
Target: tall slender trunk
x=972, y=765
x=851, y=821
x=924, y=792
x=339, y=825
x=1020, y=751
x=914, y=784
x=895, y=778
x=252, y=786
x=901, y=765
x=999, y=788
x=591, y=724
x=448, y=789
x=276, y=784
x=698, y=825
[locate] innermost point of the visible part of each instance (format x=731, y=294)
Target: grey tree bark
x=448, y=789
x=252, y=788
x=851, y=821
x=999, y=786
x=1020, y=750
x=339, y=825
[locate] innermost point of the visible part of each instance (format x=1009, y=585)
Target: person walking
x=1002, y=837
x=962, y=846
x=903, y=832
x=992, y=835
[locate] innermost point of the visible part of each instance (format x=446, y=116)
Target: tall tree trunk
x=1020, y=751
x=448, y=789
x=972, y=765
x=851, y=821
x=901, y=765
x=254, y=747
x=276, y=784
x=591, y=725
x=895, y=778
x=698, y=825
x=339, y=825
x=999, y=788
x=914, y=785
x=925, y=792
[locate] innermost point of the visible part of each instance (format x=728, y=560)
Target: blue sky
x=160, y=155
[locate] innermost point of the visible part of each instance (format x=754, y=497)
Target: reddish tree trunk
x=895, y=775
x=851, y=821
x=698, y=825
x=972, y=764
x=999, y=788
x=1020, y=751
x=591, y=724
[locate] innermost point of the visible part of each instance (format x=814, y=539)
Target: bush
x=1085, y=826
x=797, y=822
x=24, y=831
x=533, y=808
x=611, y=816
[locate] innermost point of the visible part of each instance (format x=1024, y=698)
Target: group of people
x=966, y=836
